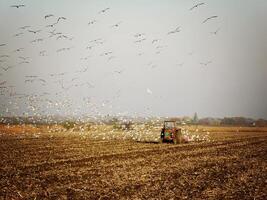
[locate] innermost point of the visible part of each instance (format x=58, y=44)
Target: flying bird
x=66, y=88
x=62, y=36
x=138, y=41
x=85, y=58
x=195, y=6
x=32, y=80
x=148, y=91
x=47, y=16
x=28, y=80
x=68, y=48
x=37, y=31
x=73, y=79
x=19, y=49
x=52, y=25
x=103, y=11
x=17, y=6
x=83, y=70
x=64, y=18
x=160, y=46
x=209, y=18
x=24, y=27
x=95, y=40
x=42, y=80
x=17, y=34
x=139, y=34
x=37, y=40
x=215, y=32
x=89, y=47
x=60, y=74
x=24, y=62
x=106, y=53
x=53, y=33
x=6, y=68
x=64, y=49
x=205, y=63
x=24, y=58
x=155, y=40
x=98, y=41
x=89, y=85
x=116, y=25
x=111, y=57
x=119, y=72
x=177, y=30
x=42, y=53
x=92, y=22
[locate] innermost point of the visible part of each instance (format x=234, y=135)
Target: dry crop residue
x=61, y=167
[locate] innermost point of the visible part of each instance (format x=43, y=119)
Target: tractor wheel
x=177, y=139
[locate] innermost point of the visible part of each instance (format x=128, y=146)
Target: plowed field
x=60, y=166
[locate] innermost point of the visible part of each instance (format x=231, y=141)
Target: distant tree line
x=127, y=124
x=226, y=121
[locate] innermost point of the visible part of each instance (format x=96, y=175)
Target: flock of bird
x=70, y=80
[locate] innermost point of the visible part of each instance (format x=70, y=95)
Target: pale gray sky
x=138, y=64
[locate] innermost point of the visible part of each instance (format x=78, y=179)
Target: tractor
x=170, y=133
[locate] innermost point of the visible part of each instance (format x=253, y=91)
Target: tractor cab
x=170, y=132
x=169, y=124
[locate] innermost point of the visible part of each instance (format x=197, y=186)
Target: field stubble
x=229, y=163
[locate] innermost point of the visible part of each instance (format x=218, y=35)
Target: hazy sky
x=125, y=57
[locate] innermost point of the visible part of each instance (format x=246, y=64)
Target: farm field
x=230, y=164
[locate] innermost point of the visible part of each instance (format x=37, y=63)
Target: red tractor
x=170, y=133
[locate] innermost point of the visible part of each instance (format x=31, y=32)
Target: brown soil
x=58, y=166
